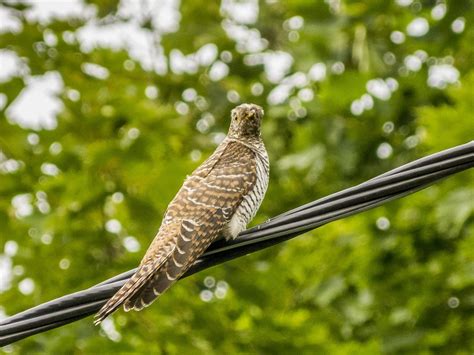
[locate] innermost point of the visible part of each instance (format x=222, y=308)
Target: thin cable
x=394, y=184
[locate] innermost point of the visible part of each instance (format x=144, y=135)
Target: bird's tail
x=155, y=277
x=133, y=285
x=178, y=262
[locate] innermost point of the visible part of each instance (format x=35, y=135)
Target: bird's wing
x=194, y=219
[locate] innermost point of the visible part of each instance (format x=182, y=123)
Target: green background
x=356, y=286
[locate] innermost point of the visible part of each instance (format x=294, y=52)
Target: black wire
x=393, y=184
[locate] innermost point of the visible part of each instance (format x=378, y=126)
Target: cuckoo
x=217, y=200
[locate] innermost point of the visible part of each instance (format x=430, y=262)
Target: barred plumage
x=218, y=199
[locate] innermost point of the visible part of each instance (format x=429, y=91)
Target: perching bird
x=218, y=199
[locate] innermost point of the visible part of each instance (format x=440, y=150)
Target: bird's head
x=245, y=121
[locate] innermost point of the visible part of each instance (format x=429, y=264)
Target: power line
x=394, y=184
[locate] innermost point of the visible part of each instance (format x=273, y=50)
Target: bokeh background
x=107, y=105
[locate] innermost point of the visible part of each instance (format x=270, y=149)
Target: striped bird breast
x=251, y=202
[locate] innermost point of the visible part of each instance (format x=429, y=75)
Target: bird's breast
x=251, y=202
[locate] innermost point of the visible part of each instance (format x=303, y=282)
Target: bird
x=216, y=201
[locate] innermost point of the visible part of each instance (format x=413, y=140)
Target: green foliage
x=398, y=279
